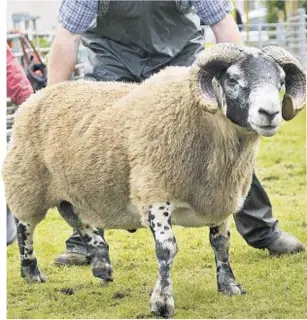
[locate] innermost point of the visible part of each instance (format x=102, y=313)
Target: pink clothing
x=18, y=86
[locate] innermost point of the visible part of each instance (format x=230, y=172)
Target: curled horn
x=295, y=96
x=208, y=64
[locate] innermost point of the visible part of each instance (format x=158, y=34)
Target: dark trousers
x=254, y=222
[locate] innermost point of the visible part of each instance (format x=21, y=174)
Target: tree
x=283, y=8
x=276, y=9
x=303, y=4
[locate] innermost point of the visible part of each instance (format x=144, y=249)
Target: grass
x=276, y=286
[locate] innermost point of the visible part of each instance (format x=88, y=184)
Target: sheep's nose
x=268, y=113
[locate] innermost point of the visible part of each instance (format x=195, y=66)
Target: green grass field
x=277, y=287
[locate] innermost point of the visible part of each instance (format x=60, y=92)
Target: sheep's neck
x=214, y=156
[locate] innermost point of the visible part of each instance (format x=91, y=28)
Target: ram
x=179, y=148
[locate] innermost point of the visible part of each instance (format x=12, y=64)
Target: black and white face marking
x=159, y=221
x=226, y=282
x=249, y=94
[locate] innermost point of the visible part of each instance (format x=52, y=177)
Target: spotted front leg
x=29, y=268
x=226, y=282
x=159, y=220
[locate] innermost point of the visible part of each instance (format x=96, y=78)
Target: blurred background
x=44, y=10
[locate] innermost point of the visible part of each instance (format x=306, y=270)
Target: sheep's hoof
x=103, y=272
x=32, y=275
x=162, y=305
x=232, y=289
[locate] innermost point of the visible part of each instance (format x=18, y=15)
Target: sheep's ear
x=202, y=87
x=211, y=63
x=288, y=109
x=219, y=94
x=295, y=97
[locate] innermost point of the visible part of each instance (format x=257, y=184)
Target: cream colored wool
x=112, y=149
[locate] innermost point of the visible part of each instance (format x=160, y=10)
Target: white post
x=302, y=35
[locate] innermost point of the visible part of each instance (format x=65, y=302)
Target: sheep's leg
x=226, y=282
x=29, y=268
x=99, y=251
x=94, y=240
x=159, y=220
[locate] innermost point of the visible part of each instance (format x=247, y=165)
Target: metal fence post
x=302, y=35
x=281, y=34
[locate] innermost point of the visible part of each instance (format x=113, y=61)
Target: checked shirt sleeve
x=77, y=15
x=212, y=11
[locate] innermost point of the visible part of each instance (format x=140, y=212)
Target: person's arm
x=216, y=14
x=63, y=55
x=74, y=18
x=18, y=86
x=227, y=30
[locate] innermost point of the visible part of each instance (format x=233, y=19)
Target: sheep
x=179, y=148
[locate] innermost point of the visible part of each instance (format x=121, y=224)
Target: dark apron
x=130, y=40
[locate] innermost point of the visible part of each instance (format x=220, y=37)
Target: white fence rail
x=37, y=37
x=291, y=35
x=42, y=42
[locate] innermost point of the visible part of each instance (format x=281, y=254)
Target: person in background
x=132, y=40
x=18, y=90
x=18, y=86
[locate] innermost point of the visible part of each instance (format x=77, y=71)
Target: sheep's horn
x=295, y=96
x=208, y=64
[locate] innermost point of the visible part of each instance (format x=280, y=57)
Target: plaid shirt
x=77, y=15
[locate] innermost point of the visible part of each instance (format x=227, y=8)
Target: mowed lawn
x=277, y=287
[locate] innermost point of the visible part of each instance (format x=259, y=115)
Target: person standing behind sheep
x=18, y=89
x=130, y=41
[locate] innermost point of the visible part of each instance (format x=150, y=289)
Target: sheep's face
x=249, y=94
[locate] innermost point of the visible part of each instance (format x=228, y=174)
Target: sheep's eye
x=232, y=81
